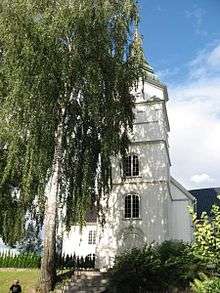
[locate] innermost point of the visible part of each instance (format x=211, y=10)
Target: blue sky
x=175, y=31
x=182, y=43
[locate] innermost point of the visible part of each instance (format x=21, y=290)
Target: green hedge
x=73, y=261
x=23, y=260
x=10, y=259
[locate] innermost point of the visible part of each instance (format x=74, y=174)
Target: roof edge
x=206, y=188
x=183, y=189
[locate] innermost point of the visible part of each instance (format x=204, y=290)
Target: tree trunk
x=48, y=265
x=48, y=270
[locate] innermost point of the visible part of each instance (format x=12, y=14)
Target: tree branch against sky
x=67, y=69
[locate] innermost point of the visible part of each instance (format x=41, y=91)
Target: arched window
x=131, y=166
x=132, y=206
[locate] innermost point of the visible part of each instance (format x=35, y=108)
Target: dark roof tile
x=205, y=199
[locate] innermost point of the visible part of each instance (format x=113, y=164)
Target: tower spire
x=149, y=71
x=148, y=67
x=151, y=76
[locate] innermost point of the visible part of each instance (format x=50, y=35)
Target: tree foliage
x=70, y=63
x=206, y=284
x=32, y=242
x=206, y=243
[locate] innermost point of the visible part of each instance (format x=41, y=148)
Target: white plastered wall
x=152, y=225
x=180, y=221
x=76, y=241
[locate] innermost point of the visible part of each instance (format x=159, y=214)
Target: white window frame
x=132, y=195
x=92, y=237
x=132, y=155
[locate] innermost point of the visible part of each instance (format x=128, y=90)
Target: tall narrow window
x=135, y=165
x=132, y=206
x=92, y=237
x=128, y=207
x=131, y=166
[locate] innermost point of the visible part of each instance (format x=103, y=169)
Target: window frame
x=92, y=237
x=133, y=197
x=132, y=166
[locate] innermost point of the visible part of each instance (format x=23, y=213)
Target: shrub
x=135, y=269
x=206, y=245
x=179, y=266
x=206, y=284
x=155, y=267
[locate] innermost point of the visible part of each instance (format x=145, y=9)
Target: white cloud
x=214, y=57
x=206, y=64
x=168, y=73
x=201, y=178
x=197, y=16
x=194, y=112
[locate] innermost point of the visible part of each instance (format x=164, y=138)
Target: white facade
x=163, y=201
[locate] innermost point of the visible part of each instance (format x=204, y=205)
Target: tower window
x=132, y=206
x=140, y=116
x=131, y=166
x=92, y=237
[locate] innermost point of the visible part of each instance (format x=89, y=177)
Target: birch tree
x=67, y=68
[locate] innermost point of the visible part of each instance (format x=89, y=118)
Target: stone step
x=86, y=282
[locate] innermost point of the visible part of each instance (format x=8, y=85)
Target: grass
x=28, y=278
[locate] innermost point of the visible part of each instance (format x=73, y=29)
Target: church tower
x=146, y=204
x=138, y=206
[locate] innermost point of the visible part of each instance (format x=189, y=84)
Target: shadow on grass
x=62, y=278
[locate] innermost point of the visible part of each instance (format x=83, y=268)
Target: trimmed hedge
x=23, y=260
x=10, y=259
x=73, y=261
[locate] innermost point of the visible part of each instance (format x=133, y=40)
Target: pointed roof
x=150, y=74
x=151, y=77
x=148, y=67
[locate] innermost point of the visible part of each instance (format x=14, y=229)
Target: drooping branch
x=84, y=56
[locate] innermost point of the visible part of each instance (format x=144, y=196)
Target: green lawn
x=28, y=279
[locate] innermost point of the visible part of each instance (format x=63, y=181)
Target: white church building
x=146, y=204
